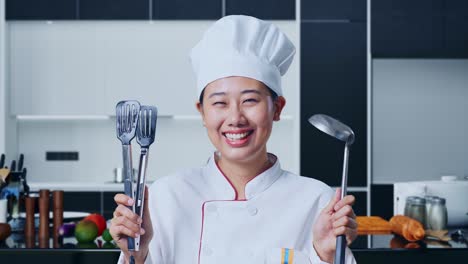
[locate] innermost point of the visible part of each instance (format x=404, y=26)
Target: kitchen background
x=395, y=71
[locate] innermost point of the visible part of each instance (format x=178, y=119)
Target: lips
x=237, y=138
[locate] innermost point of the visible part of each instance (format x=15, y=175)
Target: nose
x=236, y=117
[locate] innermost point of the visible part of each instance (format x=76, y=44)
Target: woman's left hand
x=337, y=218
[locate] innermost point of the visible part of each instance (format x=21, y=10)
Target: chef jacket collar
x=223, y=188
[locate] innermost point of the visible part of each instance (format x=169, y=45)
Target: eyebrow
x=215, y=94
x=250, y=91
x=243, y=92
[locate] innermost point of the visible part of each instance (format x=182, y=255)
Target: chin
x=238, y=154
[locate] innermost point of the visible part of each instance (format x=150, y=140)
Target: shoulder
x=308, y=185
x=305, y=181
x=179, y=181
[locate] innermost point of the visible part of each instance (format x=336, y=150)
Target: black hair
x=274, y=95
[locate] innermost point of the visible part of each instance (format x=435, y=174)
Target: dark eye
x=250, y=100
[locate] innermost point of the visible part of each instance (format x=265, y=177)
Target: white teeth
x=231, y=136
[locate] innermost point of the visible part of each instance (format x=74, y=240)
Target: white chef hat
x=244, y=46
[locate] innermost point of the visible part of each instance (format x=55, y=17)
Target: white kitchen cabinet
x=71, y=68
x=150, y=62
x=55, y=69
x=85, y=68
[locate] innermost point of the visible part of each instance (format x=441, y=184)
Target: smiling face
x=238, y=113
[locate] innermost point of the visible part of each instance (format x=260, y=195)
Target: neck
x=240, y=173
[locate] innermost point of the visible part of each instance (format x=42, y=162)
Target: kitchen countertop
x=378, y=242
x=78, y=186
x=382, y=252
x=395, y=242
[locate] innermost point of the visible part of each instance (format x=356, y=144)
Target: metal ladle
x=344, y=133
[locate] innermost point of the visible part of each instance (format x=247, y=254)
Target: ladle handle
x=341, y=239
x=340, y=249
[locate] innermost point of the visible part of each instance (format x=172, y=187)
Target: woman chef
x=241, y=207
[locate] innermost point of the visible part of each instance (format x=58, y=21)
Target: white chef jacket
x=197, y=219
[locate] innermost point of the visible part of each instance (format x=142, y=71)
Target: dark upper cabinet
x=41, y=9
x=407, y=29
x=456, y=7
x=354, y=10
x=408, y=7
x=263, y=9
x=333, y=82
x=419, y=29
x=114, y=9
x=407, y=36
x=187, y=9
x=456, y=29
x=456, y=36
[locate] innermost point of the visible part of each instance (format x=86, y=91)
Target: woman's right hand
x=127, y=224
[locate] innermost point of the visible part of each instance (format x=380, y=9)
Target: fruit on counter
x=412, y=230
x=86, y=231
x=5, y=231
x=99, y=220
x=67, y=229
x=106, y=235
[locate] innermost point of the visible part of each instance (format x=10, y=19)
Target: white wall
x=420, y=119
x=181, y=140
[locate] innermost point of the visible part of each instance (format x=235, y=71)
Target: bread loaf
x=410, y=229
x=373, y=225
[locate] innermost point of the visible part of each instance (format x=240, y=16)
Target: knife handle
x=13, y=166
x=20, y=162
x=2, y=160
x=128, y=184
